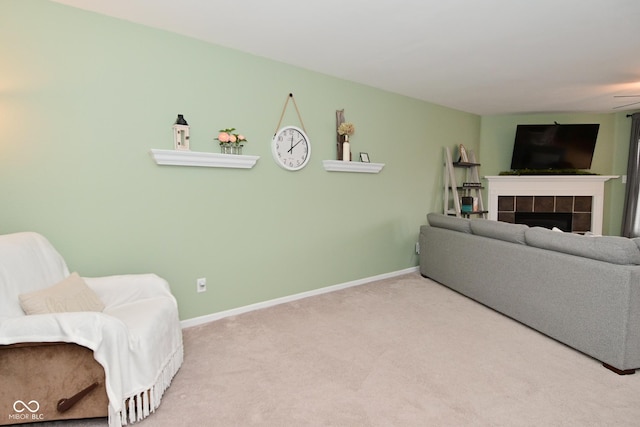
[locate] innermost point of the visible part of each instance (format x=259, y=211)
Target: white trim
x=270, y=303
x=196, y=158
x=362, y=167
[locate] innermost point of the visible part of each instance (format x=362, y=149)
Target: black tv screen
x=554, y=146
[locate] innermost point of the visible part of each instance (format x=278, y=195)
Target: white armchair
x=127, y=326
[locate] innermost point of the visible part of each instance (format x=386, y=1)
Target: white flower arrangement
x=346, y=128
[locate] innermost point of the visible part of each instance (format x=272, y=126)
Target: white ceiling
x=480, y=56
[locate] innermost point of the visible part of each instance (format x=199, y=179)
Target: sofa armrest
x=123, y=289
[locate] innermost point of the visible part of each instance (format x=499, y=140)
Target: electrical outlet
x=201, y=284
x=417, y=248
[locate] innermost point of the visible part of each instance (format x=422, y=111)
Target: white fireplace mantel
x=550, y=185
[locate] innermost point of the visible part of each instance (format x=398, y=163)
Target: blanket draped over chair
x=136, y=338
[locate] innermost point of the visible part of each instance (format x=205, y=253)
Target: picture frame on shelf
x=364, y=157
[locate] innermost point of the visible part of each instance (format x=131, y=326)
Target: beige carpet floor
x=398, y=352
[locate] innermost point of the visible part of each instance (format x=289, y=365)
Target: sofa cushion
x=613, y=249
x=449, y=222
x=71, y=294
x=513, y=233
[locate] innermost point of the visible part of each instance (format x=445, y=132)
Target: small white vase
x=346, y=150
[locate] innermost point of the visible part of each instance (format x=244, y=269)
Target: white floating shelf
x=209, y=160
x=340, y=166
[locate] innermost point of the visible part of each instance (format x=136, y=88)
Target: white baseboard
x=270, y=303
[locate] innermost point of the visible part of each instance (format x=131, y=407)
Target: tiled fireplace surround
x=578, y=206
x=580, y=195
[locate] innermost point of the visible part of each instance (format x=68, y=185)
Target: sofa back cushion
x=513, y=233
x=449, y=222
x=613, y=249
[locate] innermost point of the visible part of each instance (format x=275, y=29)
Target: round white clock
x=291, y=148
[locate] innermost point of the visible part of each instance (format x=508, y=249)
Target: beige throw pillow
x=71, y=294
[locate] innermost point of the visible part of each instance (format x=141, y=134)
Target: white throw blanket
x=137, y=338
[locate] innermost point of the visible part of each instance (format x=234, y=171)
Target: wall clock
x=291, y=148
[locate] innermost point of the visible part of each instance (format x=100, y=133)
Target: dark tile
x=564, y=204
x=581, y=222
x=582, y=204
x=543, y=204
x=506, y=203
x=524, y=203
x=507, y=217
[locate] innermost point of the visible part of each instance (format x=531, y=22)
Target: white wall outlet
x=417, y=248
x=201, y=284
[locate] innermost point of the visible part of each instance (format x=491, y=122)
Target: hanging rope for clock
x=290, y=97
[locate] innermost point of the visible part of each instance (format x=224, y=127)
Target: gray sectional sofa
x=580, y=290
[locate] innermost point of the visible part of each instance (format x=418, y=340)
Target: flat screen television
x=554, y=146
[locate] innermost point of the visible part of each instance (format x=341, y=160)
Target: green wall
x=84, y=97
x=610, y=158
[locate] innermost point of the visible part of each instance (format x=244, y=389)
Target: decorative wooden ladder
x=471, y=187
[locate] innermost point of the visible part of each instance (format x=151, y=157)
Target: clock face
x=291, y=148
